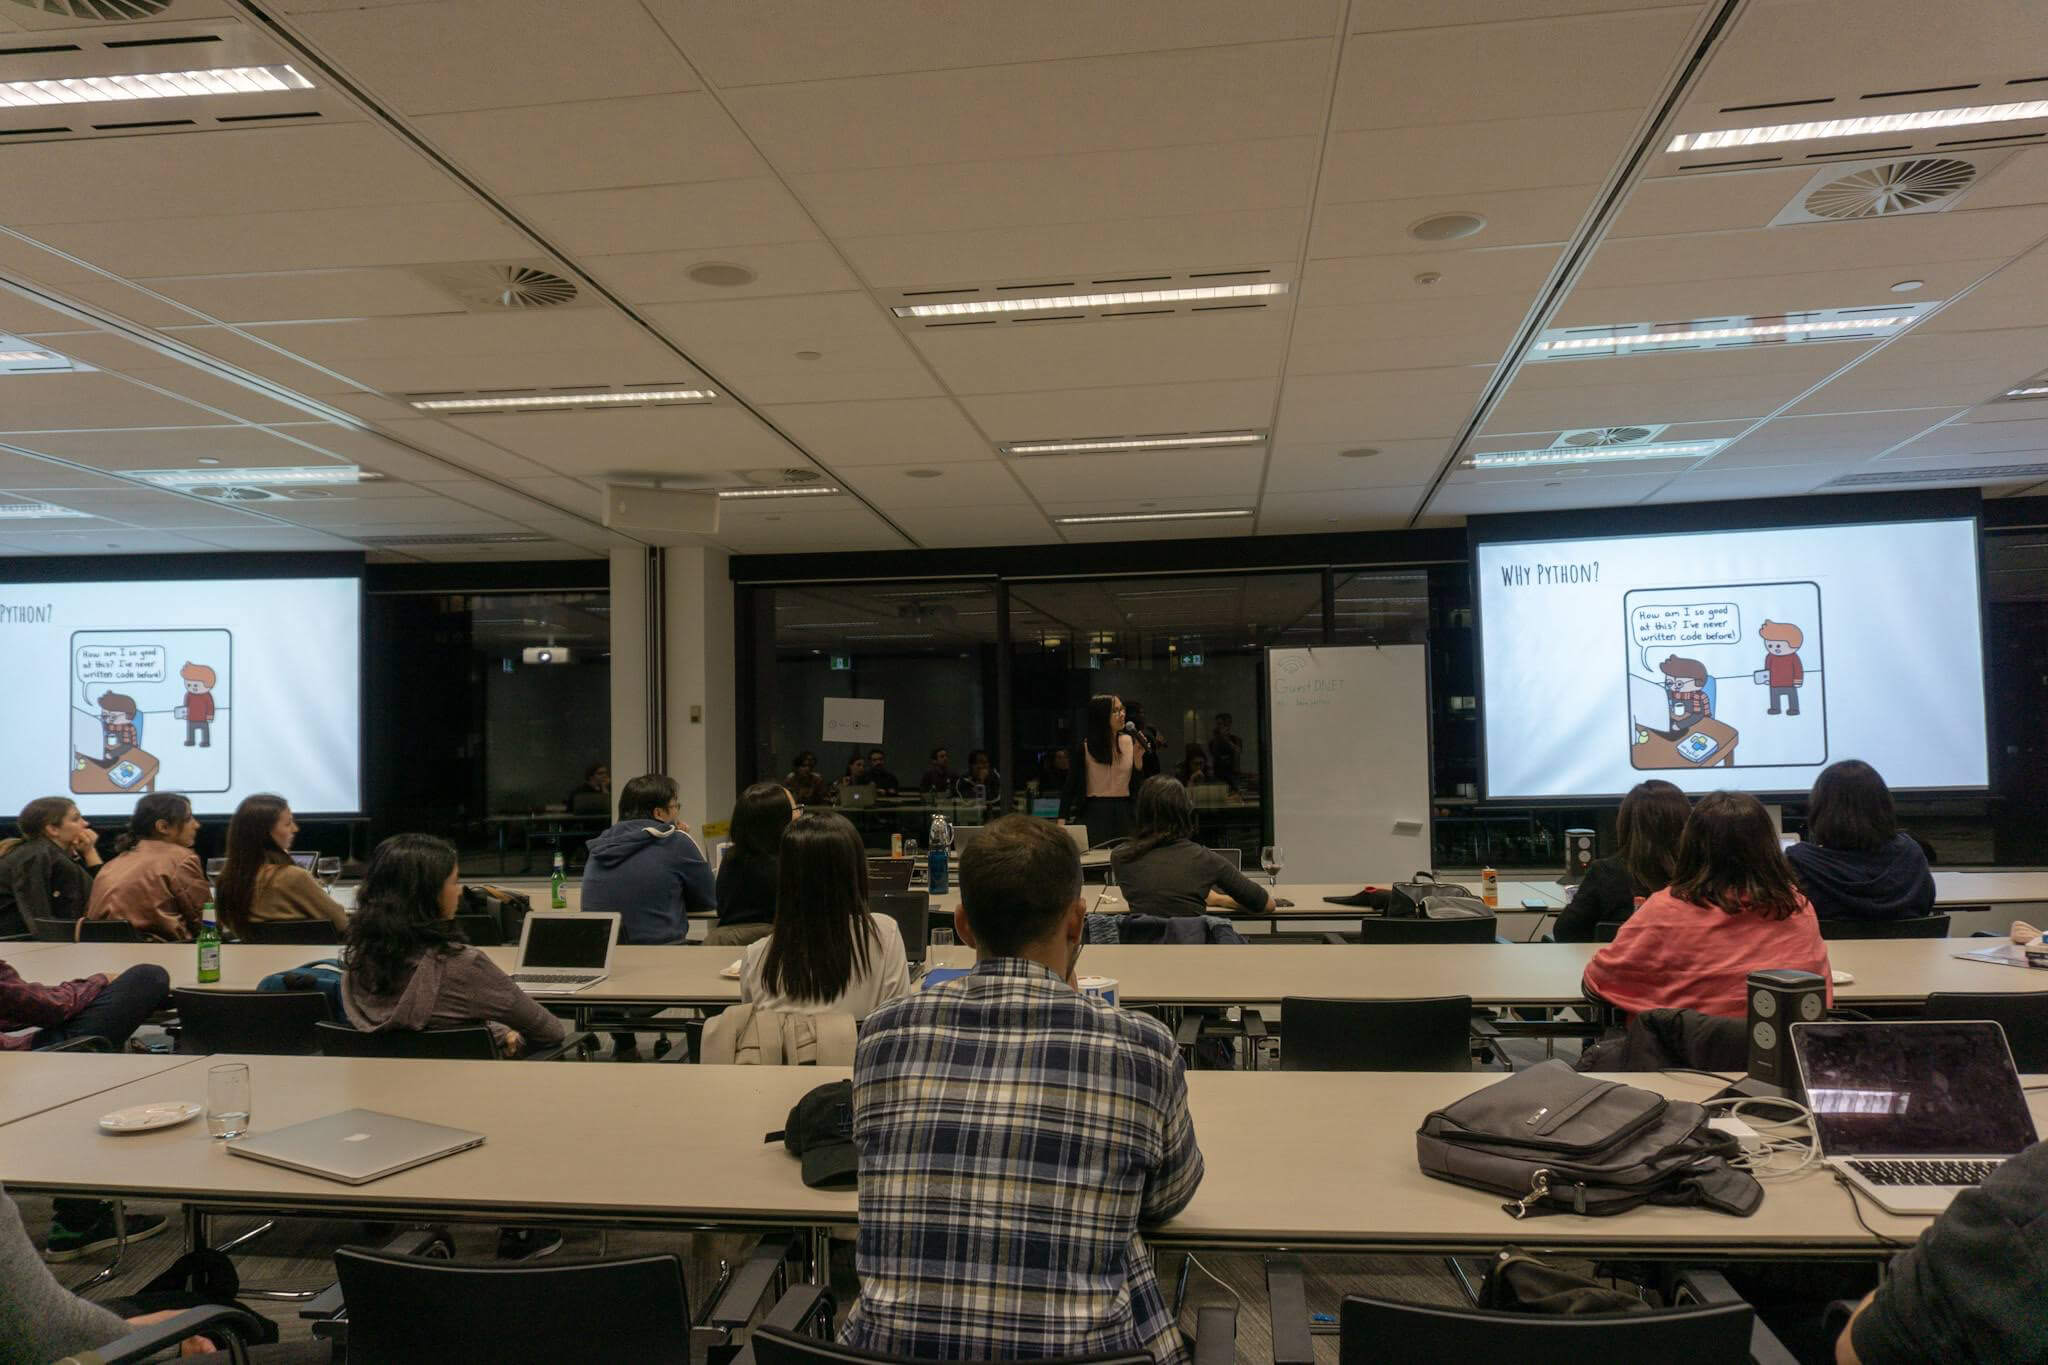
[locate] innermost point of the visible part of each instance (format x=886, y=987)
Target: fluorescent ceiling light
x=565, y=400
x=925, y=636
x=33, y=510
x=1176, y=592
x=827, y=625
x=1759, y=329
x=27, y=357
x=158, y=85
x=2028, y=391
x=1961, y=117
x=1109, y=299
x=282, y=475
x=809, y=490
x=1152, y=516
x=1782, y=329
x=938, y=592
x=1108, y=443
x=1666, y=450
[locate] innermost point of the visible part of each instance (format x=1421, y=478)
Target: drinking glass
x=1272, y=857
x=227, y=1100
x=328, y=870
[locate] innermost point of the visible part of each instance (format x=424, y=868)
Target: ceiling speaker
x=660, y=511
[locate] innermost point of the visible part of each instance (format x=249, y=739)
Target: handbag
x=1517, y=1282
x=1555, y=1141
x=1431, y=899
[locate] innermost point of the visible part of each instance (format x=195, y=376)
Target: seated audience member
x=1856, y=863
x=1163, y=871
x=1226, y=750
x=597, y=781
x=1194, y=766
x=1970, y=1288
x=1008, y=1103
x=47, y=872
x=828, y=954
x=937, y=775
x=981, y=782
x=1648, y=826
x=42, y=1320
x=1057, y=772
x=404, y=967
x=154, y=880
x=258, y=883
x=748, y=874
x=856, y=775
x=647, y=868
x=879, y=774
x=806, y=783
x=1731, y=909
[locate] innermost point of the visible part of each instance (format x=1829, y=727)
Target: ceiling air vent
x=1847, y=191
x=493, y=286
x=1973, y=474
x=425, y=542
x=228, y=492
x=1601, y=438
x=99, y=9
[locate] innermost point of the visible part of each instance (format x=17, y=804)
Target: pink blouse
x=1672, y=954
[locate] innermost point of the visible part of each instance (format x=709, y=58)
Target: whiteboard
x=1348, y=767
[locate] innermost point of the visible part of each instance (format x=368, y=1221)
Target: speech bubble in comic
x=1675, y=625
x=119, y=663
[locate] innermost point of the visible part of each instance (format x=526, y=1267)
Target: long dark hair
x=822, y=925
x=758, y=819
x=398, y=912
x=1649, y=825
x=250, y=849
x=1729, y=858
x=1101, y=743
x=1164, y=814
x=169, y=807
x=43, y=813
x=1851, y=808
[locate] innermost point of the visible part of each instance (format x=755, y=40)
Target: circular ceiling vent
x=1894, y=187
x=1605, y=436
x=721, y=274
x=99, y=9
x=233, y=493
x=515, y=286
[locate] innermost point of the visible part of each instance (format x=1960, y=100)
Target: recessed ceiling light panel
x=25, y=357
x=1107, y=298
x=37, y=511
x=814, y=490
x=1096, y=445
x=1098, y=519
x=1663, y=450
x=535, y=402
x=156, y=85
x=1963, y=116
x=276, y=476
x=1707, y=334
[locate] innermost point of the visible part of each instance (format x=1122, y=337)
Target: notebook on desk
x=562, y=952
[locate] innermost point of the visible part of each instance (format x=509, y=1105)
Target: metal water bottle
x=941, y=848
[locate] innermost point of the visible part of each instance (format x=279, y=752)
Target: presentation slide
x=1732, y=659
x=215, y=688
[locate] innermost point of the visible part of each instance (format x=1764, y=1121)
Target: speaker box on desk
x=1779, y=998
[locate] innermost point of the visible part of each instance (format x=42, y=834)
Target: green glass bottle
x=209, y=948
x=556, y=900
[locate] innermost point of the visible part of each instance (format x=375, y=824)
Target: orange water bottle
x=1489, y=886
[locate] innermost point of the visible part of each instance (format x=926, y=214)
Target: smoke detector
x=1602, y=438
x=1881, y=189
x=99, y=9
x=517, y=286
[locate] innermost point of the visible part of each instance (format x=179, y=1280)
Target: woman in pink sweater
x=1731, y=909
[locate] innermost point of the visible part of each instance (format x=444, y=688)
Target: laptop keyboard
x=1923, y=1171
x=555, y=978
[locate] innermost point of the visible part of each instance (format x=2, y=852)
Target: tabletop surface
x=31, y=1082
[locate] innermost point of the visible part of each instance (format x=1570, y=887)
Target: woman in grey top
x=1163, y=871
x=41, y=1320
x=405, y=968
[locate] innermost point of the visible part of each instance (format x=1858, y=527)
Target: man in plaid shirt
x=1014, y=1135
x=1686, y=681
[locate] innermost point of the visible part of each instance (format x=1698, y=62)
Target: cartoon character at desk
x=1687, y=685
x=117, y=721
x=197, y=712
x=1782, y=672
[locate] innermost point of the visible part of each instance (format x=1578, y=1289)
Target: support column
x=700, y=672
x=630, y=754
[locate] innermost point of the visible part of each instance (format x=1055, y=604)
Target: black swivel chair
x=2022, y=1014
x=108, y=931
x=1402, y=929
x=236, y=1325
x=1699, y=1333
x=314, y=932
x=1920, y=926
x=53, y=930
x=1381, y=1035
x=468, y=1042
x=1605, y=931
x=277, y=1023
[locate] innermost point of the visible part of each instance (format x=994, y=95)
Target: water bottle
x=556, y=900
x=941, y=843
x=209, y=948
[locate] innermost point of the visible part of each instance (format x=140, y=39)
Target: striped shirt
x=1013, y=1135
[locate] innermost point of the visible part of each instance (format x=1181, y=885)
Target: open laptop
x=860, y=797
x=355, y=1146
x=912, y=911
x=562, y=952
x=1913, y=1112
x=305, y=858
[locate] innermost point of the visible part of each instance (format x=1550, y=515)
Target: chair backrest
x=1376, y=1035
x=1920, y=926
x=107, y=931
x=480, y=931
x=2022, y=1014
x=470, y=1042
x=1396, y=1333
x=1374, y=929
x=912, y=911
x=412, y=1308
x=313, y=931
x=888, y=874
x=275, y=1022
x=776, y=1346
x=53, y=930
x=1605, y=930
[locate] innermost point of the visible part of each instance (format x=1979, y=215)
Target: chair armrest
x=235, y=1323
x=1287, y=1301
x=1254, y=1023
x=1190, y=1030
x=1216, y=1334
x=555, y=1052
x=85, y=1042
x=790, y=1313
x=749, y=1284
x=1483, y=1026
x=1711, y=1286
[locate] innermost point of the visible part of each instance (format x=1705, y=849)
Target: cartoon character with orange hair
x=1782, y=671
x=197, y=712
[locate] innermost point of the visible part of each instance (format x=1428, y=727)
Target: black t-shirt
x=1606, y=895
x=746, y=889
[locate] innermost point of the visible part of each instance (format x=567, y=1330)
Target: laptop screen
x=579, y=941
x=912, y=912
x=1912, y=1089
x=308, y=860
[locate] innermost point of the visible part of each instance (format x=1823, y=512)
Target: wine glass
x=328, y=870
x=1272, y=857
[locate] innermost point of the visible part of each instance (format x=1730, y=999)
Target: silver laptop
x=1913, y=1112
x=561, y=953
x=355, y=1146
x=859, y=797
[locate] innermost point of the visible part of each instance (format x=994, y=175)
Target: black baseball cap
x=820, y=1130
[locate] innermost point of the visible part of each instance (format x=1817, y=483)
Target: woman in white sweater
x=827, y=953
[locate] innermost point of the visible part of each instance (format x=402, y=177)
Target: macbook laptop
x=306, y=859
x=561, y=953
x=860, y=797
x=1913, y=1112
x=355, y=1146
x=912, y=911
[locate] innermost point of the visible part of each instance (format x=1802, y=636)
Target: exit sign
x=1188, y=660
x=842, y=663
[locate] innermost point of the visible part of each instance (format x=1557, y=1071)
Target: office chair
x=108, y=931
x=53, y=930
x=1605, y=930
x=467, y=1042
x=2022, y=1014
x=237, y=1325
x=1382, y=1035
x=306, y=931
x=278, y=1023
x=480, y=931
x=1375, y=929
x=1920, y=926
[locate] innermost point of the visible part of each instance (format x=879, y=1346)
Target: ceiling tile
x=1356, y=509
x=1340, y=280
x=1191, y=241
x=44, y=402
x=779, y=268
x=1859, y=435
x=1540, y=151
x=1387, y=15
x=1405, y=334
x=891, y=488
x=1134, y=410
x=1004, y=524
x=1323, y=468
x=281, y=296
x=710, y=440
x=884, y=432
x=596, y=144
x=1110, y=353
x=1373, y=409
x=1592, y=305
x=1225, y=477
x=668, y=217
x=753, y=345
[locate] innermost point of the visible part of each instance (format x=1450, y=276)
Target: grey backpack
x=1432, y=899
x=1555, y=1141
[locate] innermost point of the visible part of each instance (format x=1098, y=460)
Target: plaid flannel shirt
x=1013, y=1135
x=1694, y=702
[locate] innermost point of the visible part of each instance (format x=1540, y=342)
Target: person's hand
x=514, y=1043
x=190, y=1346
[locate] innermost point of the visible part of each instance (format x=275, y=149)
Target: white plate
x=732, y=973
x=1843, y=978
x=141, y=1118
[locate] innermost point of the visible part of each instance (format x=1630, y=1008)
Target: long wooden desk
x=681, y=1146
x=31, y=1082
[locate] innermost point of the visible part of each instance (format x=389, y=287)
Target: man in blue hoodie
x=647, y=868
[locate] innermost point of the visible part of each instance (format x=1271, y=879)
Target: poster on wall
x=853, y=720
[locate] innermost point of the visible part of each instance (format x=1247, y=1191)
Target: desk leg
x=821, y=1256
x=195, y=1228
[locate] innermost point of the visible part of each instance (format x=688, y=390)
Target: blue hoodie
x=1889, y=882
x=652, y=875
